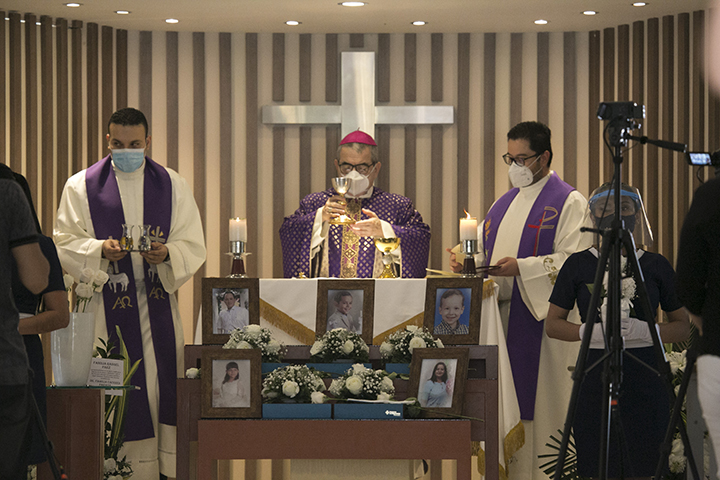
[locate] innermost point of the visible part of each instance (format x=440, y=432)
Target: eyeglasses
x=362, y=168
x=518, y=160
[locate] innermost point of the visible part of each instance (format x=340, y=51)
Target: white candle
x=468, y=228
x=238, y=230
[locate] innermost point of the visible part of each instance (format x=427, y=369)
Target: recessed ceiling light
x=352, y=4
x=38, y=24
x=589, y=12
x=540, y=21
x=122, y=12
x=639, y=4
x=292, y=22
x=73, y=4
x=419, y=23
x=171, y=20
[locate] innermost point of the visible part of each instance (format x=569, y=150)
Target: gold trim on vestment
x=350, y=249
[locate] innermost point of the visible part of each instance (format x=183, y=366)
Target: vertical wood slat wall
x=203, y=92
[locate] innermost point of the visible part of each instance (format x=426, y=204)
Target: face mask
x=360, y=183
x=128, y=159
x=520, y=176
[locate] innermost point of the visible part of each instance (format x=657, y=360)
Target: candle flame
x=467, y=215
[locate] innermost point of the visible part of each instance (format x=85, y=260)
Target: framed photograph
x=437, y=379
x=452, y=309
x=346, y=304
x=231, y=383
x=227, y=304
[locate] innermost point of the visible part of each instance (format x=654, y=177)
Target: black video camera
x=703, y=159
x=624, y=110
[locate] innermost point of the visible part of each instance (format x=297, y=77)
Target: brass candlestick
x=237, y=250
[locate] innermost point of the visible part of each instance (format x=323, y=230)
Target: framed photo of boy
x=452, y=309
x=231, y=383
x=346, y=304
x=437, y=379
x=227, y=304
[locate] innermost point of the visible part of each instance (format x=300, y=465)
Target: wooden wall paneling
x=16, y=90
x=62, y=106
x=667, y=167
x=304, y=66
x=3, y=92
x=31, y=107
x=637, y=155
x=543, y=77
x=357, y=40
x=683, y=117
x=278, y=67
x=382, y=70
x=462, y=122
x=436, y=62
x=305, y=91
x=226, y=142
x=652, y=127
x=199, y=146
x=121, y=69
x=570, y=117
x=92, y=75
x=108, y=72
x=594, y=139
x=172, y=85
x=516, y=80
x=623, y=63
x=251, y=145
x=697, y=142
x=278, y=182
x=410, y=65
x=305, y=155
x=410, y=95
x=436, y=187
x=145, y=73
x=47, y=158
x=608, y=93
x=410, y=163
x=332, y=69
x=76, y=154
x=382, y=138
x=488, y=121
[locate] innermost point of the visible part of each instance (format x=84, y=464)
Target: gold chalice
x=341, y=185
x=387, y=245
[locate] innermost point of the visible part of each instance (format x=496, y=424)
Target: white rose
x=348, y=346
x=273, y=346
x=387, y=385
x=87, y=274
x=386, y=349
x=253, y=329
x=383, y=397
x=68, y=280
x=411, y=328
x=100, y=278
x=290, y=388
x=109, y=464
x=316, y=348
x=319, y=384
x=243, y=345
x=192, y=373
x=354, y=384
x=439, y=343
x=358, y=368
x=84, y=290
x=416, y=342
x=317, y=397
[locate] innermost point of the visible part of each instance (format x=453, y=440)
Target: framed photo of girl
x=346, y=304
x=231, y=383
x=227, y=304
x=437, y=379
x=452, y=309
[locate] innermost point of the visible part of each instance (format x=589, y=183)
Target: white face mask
x=520, y=176
x=360, y=183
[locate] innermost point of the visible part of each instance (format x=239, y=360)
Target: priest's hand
x=112, y=251
x=508, y=267
x=334, y=207
x=454, y=265
x=157, y=254
x=372, y=227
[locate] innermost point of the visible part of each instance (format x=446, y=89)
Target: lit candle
x=468, y=228
x=238, y=229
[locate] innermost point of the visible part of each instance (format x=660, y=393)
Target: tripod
x=614, y=240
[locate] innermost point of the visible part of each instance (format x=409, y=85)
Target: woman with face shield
x=644, y=406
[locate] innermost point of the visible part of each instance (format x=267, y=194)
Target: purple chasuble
x=525, y=333
x=296, y=236
x=121, y=307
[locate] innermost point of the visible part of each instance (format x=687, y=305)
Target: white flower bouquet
x=90, y=281
x=116, y=469
x=363, y=383
x=398, y=347
x=293, y=384
x=254, y=336
x=338, y=344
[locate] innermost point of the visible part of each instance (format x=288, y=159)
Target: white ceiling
x=378, y=16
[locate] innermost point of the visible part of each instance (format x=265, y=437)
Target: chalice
x=387, y=245
x=341, y=185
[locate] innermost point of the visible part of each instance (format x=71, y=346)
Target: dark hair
x=451, y=293
x=228, y=367
x=536, y=133
x=339, y=295
x=359, y=148
x=445, y=375
x=128, y=117
x=231, y=293
x=26, y=189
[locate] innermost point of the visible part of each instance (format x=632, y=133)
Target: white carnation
x=416, y=342
x=316, y=348
x=192, y=373
x=348, y=346
x=354, y=384
x=290, y=388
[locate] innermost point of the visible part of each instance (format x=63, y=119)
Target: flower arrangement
x=398, y=347
x=254, y=336
x=338, y=344
x=293, y=384
x=678, y=361
x=90, y=281
x=193, y=373
x=363, y=383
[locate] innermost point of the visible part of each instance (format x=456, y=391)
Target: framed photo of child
x=452, y=309
x=227, y=304
x=437, y=380
x=346, y=304
x=231, y=383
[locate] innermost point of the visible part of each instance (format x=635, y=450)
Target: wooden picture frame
x=450, y=294
x=220, y=399
x=434, y=396
x=329, y=317
x=245, y=290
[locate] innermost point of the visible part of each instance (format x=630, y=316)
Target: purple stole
x=121, y=307
x=525, y=333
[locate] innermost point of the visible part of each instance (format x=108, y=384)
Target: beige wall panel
x=397, y=97
x=265, y=166
x=239, y=157
x=581, y=50
x=502, y=106
x=216, y=246
x=529, y=77
x=133, y=68
x=423, y=196
x=556, y=106
x=159, y=92
x=474, y=177
x=450, y=211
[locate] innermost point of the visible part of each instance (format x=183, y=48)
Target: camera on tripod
x=623, y=110
x=703, y=159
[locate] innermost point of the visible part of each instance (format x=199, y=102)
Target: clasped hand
x=112, y=251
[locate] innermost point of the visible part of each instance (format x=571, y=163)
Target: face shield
x=632, y=211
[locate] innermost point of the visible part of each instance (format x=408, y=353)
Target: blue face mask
x=128, y=159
